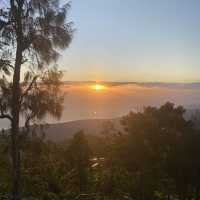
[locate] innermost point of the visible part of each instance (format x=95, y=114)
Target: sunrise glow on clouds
x=84, y=101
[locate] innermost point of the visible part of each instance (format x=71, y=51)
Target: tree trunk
x=15, y=125
x=15, y=164
x=16, y=94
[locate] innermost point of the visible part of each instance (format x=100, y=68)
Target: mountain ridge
x=61, y=131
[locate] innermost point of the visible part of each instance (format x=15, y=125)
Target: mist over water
x=83, y=102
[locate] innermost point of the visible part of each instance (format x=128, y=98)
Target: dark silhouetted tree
x=31, y=33
x=79, y=154
x=158, y=147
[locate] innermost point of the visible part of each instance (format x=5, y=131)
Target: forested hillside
x=156, y=158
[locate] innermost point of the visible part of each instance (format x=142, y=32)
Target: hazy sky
x=134, y=40
x=82, y=101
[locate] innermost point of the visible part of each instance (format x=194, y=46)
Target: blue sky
x=134, y=40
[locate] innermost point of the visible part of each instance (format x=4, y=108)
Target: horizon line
x=132, y=82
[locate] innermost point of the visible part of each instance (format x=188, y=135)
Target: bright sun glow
x=98, y=87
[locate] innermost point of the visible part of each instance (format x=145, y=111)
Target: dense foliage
x=32, y=35
x=156, y=158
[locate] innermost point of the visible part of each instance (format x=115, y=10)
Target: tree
x=32, y=32
x=158, y=142
x=79, y=155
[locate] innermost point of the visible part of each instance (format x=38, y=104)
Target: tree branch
x=27, y=122
x=6, y=63
x=29, y=87
x=4, y=116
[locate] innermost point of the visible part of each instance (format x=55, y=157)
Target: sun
x=98, y=87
